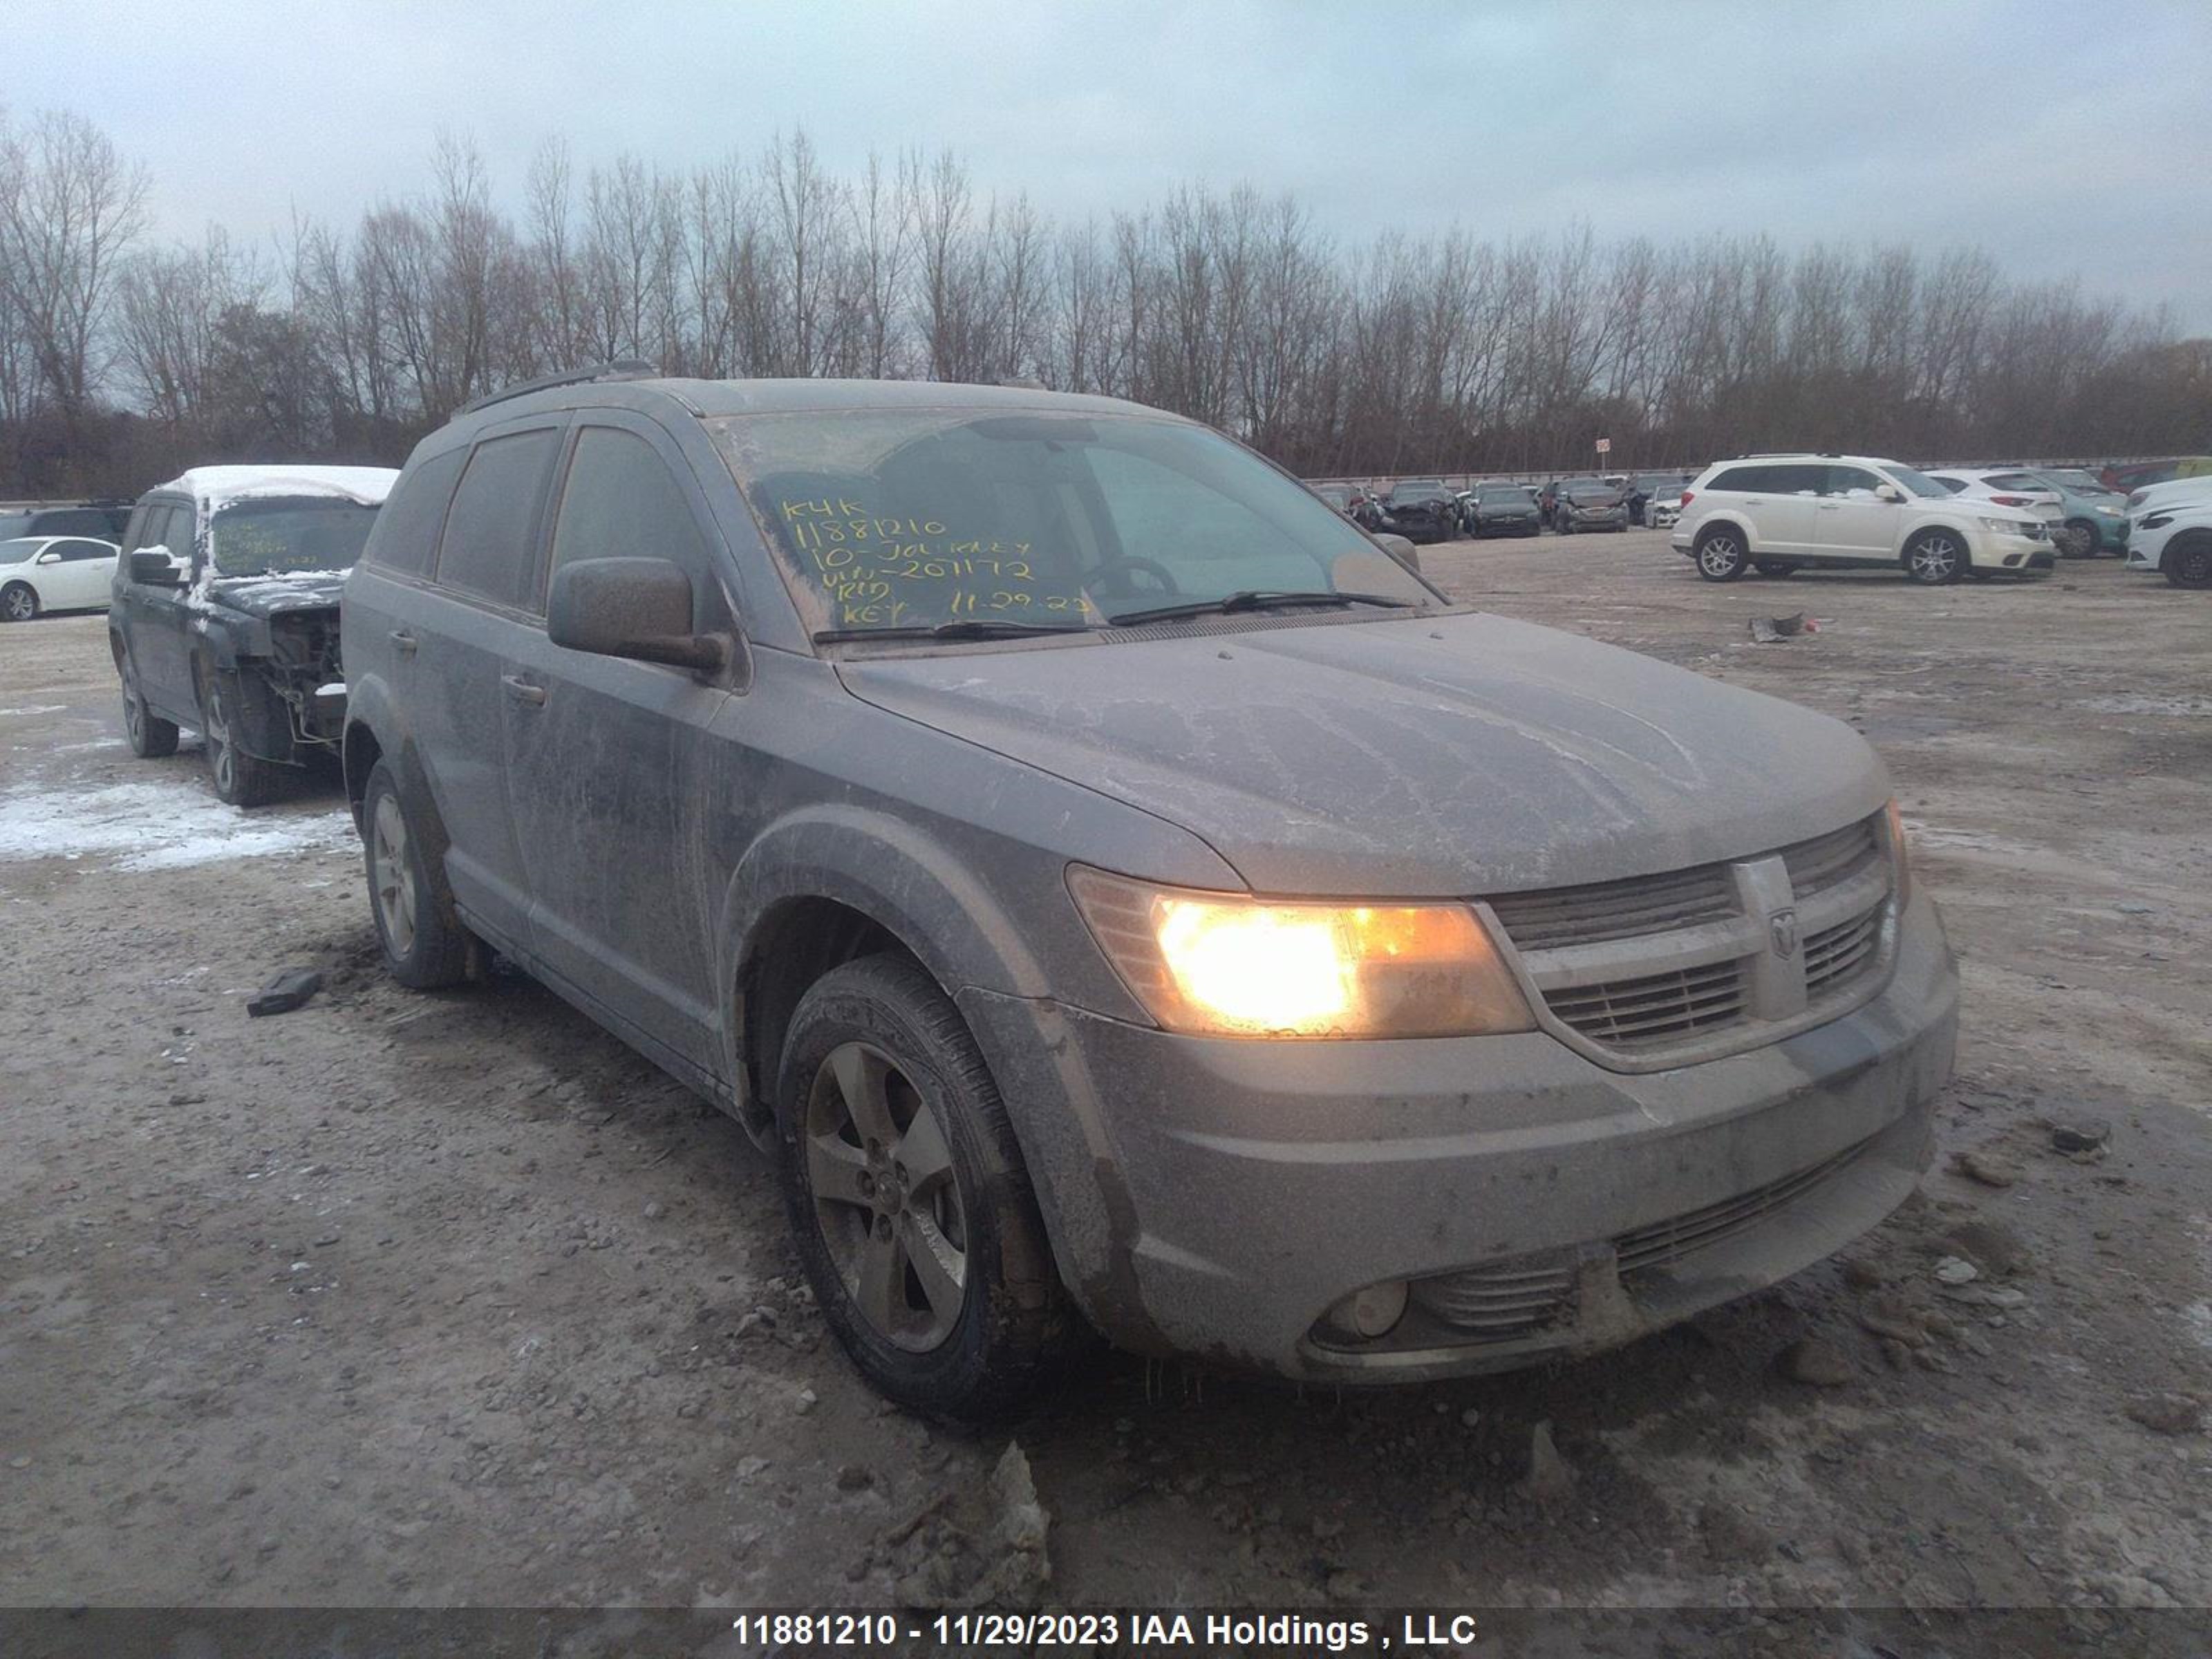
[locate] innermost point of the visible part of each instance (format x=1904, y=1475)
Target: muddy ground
x=452, y=1299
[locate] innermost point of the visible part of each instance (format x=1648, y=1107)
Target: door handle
x=522, y=691
x=402, y=641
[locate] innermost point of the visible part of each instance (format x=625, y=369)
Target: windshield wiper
x=968, y=628
x=1256, y=599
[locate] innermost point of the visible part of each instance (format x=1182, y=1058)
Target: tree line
x=123, y=360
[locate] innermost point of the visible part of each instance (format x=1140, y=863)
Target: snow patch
x=156, y=826
x=217, y=486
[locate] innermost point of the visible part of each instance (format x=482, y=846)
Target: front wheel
x=1722, y=556
x=425, y=944
x=1935, y=557
x=907, y=1198
x=240, y=779
x=19, y=602
x=2188, y=562
x=2081, y=540
x=151, y=737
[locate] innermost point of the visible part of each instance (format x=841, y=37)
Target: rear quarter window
x=488, y=548
x=408, y=526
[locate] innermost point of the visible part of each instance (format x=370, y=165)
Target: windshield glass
x=2081, y=484
x=278, y=534
x=1918, y=483
x=1587, y=487
x=918, y=518
x=1502, y=493
x=1415, y=489
x=15, y=551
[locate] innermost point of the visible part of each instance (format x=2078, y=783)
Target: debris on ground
x=2167, y=1413
x=1816, y=1364
x=979, y=1547
x=1990, y=1246
x=2088, y=1135
x=1549, y=1483
x=289, y=990
x=1766, y=631
x=1991, y=1169
x=1955, y=1270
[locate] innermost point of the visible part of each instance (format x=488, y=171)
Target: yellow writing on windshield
x=879, y=571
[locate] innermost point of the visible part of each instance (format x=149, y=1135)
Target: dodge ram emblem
x=1783, y=928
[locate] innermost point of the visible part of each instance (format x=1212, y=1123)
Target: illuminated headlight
x=2109, y=512
x=1226, y=964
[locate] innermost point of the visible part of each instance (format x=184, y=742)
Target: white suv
x=1782, y=513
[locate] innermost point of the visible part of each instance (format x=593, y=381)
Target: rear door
x=610, y=774
x=461, y=629
x=1854, y=522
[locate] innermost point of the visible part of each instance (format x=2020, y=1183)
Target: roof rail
x=621, y=368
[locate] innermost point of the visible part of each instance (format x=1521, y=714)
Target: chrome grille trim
x=1692, y=964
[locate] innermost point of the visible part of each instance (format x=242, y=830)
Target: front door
x=610, y=772
x=1855, y=522
x=156, y=619
x=1782, y=508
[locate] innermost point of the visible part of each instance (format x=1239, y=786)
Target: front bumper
x=1215, y=1198
x=2012, y=553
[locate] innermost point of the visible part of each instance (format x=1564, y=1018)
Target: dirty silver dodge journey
x=1122, y=894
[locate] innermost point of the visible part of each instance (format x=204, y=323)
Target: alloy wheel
x=1719, y=556
x=886, y=1198
x=1934, y=559
x=22, y=604
x=394, y=885
x=134, y=706
x=223, y=758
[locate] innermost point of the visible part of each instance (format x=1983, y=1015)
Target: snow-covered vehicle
x=224, y=615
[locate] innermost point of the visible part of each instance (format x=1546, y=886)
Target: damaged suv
x=1122, y=895
x=225, y=615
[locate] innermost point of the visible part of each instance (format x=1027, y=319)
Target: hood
x=266, y=596
x=1430, y=757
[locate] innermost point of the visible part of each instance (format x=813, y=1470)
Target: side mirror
x=1889, y=493
x=635, y=608
x=156, y=567
x=48, y=557
x=1401, y=549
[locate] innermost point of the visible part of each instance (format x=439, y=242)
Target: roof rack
x=621, y=368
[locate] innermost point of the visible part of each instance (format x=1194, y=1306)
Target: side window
x=1743, y=480
x=621, y=502
x=406, y=534
x=487, y=547
x=79, y=552
x=1797, y=480
x=159, y=522
x=1855, y=482
x=134, y=535
x=1954, y=485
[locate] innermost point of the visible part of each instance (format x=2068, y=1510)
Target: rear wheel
x=240, y=779
x=2081, y=540
x=1934, y=557
x=2188, y=562
x=1721, y=554
x=19, y=602
x=907, y=1198
x=151, y=737
x=425, y=946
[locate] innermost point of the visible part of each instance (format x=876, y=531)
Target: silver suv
x=1116, y=892
x=1782, y=513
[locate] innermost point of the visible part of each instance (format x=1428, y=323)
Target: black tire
x=1934, y=558
x=150, y=736
x=2082, y=539
x=425, y=944
x=1722, y=556
x=1774, y=570
x=239, y=779
x=1563, y=527
x=881, y=1030
x=2188, y=561
x=19, y=602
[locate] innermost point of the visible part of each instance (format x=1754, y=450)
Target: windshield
x=1415, y=489
x=1335, y=495
x=273, y=536
x=1918, y=483
x=17, y=550
x=1587, y=487
x=1502, y=494
x=919, y=517
x=2081, y=484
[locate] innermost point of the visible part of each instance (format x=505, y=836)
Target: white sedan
x=54, y=573
x=2175, y=537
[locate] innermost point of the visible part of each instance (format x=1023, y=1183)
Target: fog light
x=1370, y=1312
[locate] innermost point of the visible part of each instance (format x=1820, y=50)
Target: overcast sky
x=2069, y=140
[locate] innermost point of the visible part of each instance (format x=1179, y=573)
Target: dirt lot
x=451, y=1299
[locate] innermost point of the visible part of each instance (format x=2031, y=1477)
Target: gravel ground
x=410, y=1300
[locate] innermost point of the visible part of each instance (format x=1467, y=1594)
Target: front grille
x=1690, y=963
x=1496, y=1303
x=1658, y=1008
